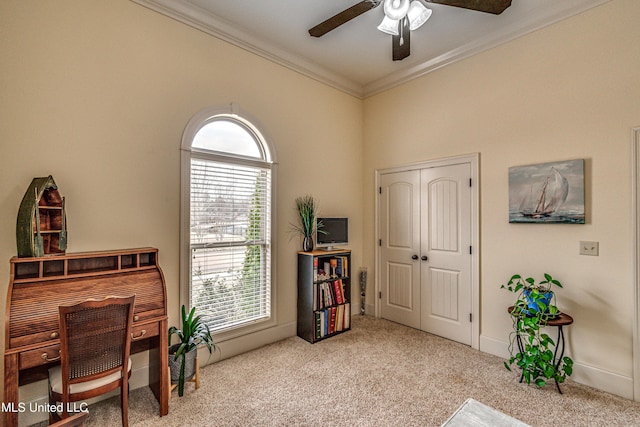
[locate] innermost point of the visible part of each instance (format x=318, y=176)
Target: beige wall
x=564, y=92
x=97, y=93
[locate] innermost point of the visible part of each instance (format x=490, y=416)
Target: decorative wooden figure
x=42, y=227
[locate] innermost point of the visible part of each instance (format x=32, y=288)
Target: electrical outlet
x=589, y=248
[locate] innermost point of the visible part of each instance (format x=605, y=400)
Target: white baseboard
x=493, y=346
x=369, y=309
x=603, y=380
x=235, y=346
x=591, y=376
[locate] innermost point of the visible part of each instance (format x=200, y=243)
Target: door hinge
x=470, y=182
x=380, y=295
x=379, y=190
x=470, y=250
x=470, y=317
x=380, y=242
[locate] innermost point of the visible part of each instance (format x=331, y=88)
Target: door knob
x=414, y=257
x=425, y=258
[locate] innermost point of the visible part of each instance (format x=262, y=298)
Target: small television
x=331, y=232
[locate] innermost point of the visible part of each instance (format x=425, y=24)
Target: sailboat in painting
x=550, y=193
x=550, y=197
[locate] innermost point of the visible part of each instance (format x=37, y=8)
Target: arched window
x=226, y=222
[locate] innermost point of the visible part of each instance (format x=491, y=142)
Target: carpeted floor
x=378, y=374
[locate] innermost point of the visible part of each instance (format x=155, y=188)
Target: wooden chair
x=95, y=340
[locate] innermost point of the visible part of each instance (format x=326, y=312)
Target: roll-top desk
x=39, y=285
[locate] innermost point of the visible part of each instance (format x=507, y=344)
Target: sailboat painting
x=550, y=193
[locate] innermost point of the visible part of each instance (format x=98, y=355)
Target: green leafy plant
x=530, y=348
x=194, y=333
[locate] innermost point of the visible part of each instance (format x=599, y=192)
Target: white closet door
x=446, y=242
x=425, y=264
x=400, y=241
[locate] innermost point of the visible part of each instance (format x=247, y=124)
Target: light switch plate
x=589, y=248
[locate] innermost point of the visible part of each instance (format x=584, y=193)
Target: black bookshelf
x=324, y=293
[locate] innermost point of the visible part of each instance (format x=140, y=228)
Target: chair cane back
x=95, y=341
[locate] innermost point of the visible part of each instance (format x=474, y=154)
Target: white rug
x=474, y=413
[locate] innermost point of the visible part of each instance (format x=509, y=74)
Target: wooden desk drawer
x=139, y=332
x=31, y=358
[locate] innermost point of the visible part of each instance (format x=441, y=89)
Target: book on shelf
x=318, y=319
x=330, y=297
x=338, y=290
x=315, y=269
x=327, y=294
x=347, y=317
x=331, y=320
x=339, y=318
x=325, y=324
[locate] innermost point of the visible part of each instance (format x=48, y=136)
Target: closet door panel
x=445, y=239
x=399, y=247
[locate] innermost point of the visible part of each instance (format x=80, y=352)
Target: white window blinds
x=230, y=242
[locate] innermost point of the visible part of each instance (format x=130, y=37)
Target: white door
x=446, y=251
x=399, y=243
x=425, y=261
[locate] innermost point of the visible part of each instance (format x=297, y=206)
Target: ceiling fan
x=402, y=16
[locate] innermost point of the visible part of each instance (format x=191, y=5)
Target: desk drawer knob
x=54, y=335
x=136, y=318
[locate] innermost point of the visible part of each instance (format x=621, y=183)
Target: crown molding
x=206, y=22
x=566, y=9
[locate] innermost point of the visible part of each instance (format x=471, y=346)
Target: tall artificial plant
x=530, y=348
x=307, y=209
x=194, y=333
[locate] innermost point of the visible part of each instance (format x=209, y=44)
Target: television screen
x=333, y=231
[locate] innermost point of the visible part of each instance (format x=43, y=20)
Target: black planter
x=307, y=244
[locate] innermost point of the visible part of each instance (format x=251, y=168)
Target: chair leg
x=124, y=403
x=53, y=416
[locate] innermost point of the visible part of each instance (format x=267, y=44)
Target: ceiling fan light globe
x=389, y=26
x=396, y=9
x=418, y=14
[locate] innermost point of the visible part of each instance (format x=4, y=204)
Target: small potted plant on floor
x=182, y=356
x=530, y=348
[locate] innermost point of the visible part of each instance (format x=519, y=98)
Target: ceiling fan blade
x=489, y=6
x=401, y=42
x=345, y=16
